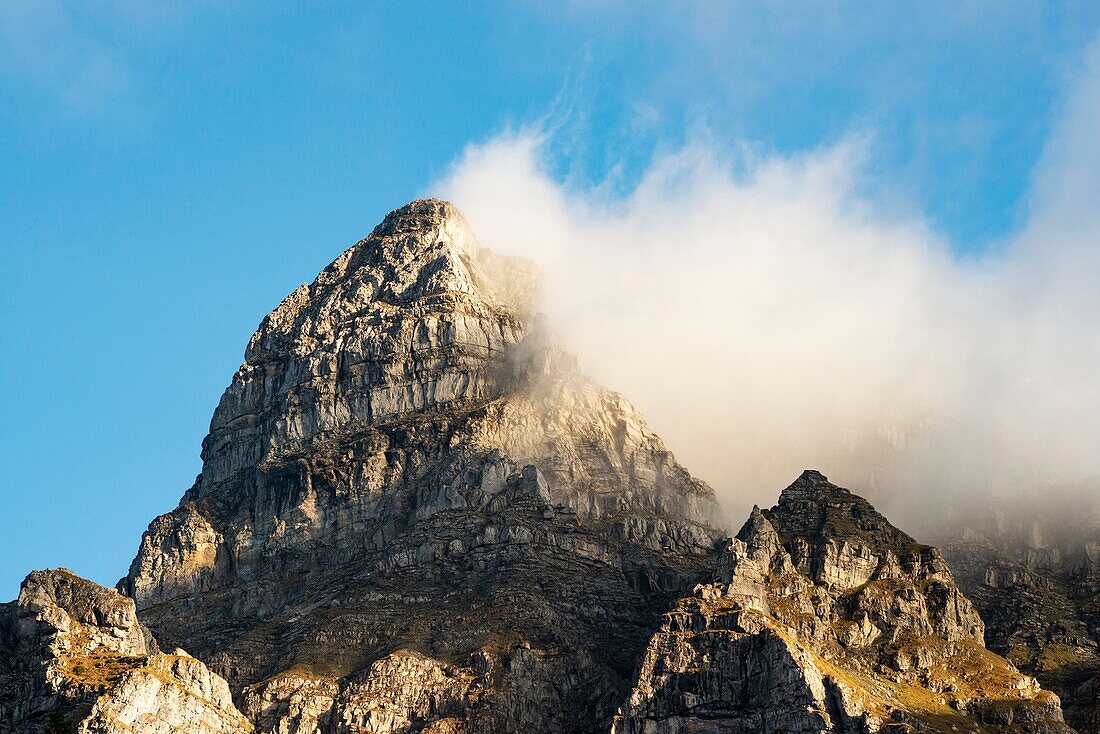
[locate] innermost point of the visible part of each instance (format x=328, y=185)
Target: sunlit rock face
x=823, y=617
x=1034, y=574
x=415, y=512
x=75, y=659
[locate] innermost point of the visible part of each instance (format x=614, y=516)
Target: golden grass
x=98, y=668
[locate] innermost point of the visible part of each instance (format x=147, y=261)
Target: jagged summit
x=812, y=484
x=414, y=317
x=409, y=478
x=828, y=630
x=755, y=526
x=422, y=214
x=813, y=476
x=814, y=508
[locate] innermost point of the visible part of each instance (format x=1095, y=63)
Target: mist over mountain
x=770, y=312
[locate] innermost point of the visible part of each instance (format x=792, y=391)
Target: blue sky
x=171, y=171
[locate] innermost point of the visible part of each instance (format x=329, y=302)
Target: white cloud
x=767, y=318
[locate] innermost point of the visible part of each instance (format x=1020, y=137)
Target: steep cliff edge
x=825, y=618
x=415, y=512
x=74, y=659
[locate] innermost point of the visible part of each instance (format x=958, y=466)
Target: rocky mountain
x=823, y=617
x=415, y=511
x=1034, y=574
x=417, y=515
x=74, y=658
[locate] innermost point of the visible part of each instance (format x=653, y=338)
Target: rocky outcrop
x=823, y=617
x=416, y=513
x=1034, y=574
x=75, y=659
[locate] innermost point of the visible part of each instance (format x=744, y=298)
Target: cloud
x=767, y=315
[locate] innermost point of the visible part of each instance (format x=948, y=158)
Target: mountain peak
x=419, y=213
x=407, y=480
x=421, y=259
x=816, y=509
x=416, y=316
x=830, y=595
x=812, y=481
x=430, y=221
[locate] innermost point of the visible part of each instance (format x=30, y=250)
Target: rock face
x=415, y=513
x=75, y=659
x=1035, y=577
x=823, y=617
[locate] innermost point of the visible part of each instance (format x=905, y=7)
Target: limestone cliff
x=823, y=617
x=73, y=658
x=415, y=513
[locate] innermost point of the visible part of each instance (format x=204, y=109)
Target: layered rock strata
x=73, y=658
x=823, y=617
x=415, y=513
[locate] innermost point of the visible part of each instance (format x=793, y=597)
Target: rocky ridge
x=825, y=618
x=74, y=658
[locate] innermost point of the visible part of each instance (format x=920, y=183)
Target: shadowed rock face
x=823, y=617
x=1034, y=574
x=73, y=658
x=415, y=511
